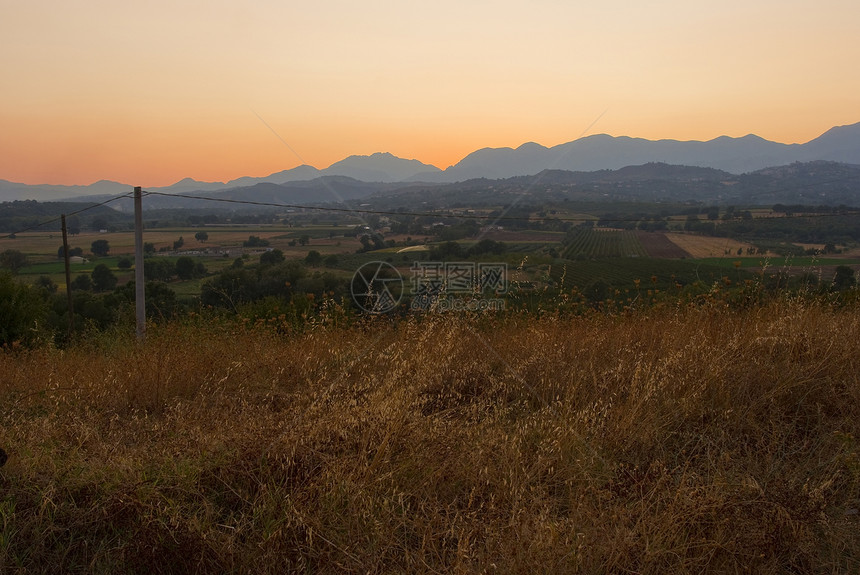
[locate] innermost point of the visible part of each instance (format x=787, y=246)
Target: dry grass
x=707, y=247
x=670, y=442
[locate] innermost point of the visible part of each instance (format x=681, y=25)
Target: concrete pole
x=68, y=278
x=139, y=292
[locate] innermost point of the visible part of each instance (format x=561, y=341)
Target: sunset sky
x=150, y=92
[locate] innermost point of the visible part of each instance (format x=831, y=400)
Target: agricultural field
x=44, y=246
x=612, y=259
x=601, y=243
x=523, y=236
x=639, y=273
x=218, y=251
x=698, y=246
x=657, y=245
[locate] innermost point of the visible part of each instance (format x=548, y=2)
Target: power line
x=462, y=216
x=58, y=218
x=347, y=210
x=451, y=215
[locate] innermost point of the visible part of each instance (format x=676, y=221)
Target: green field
x=795, y=263
x=615, y=259
x=651, y=273
x=604, y=244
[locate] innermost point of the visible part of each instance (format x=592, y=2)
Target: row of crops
x=591, y=243
x=651, y=273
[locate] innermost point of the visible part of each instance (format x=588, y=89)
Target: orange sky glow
x=150, y=93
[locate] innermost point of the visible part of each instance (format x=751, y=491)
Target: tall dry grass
x=671, y=441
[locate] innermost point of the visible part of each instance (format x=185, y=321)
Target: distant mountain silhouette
x=10, y=191
x=816, y=182
x=588, y=154
x=379, y=167
x=603, y=152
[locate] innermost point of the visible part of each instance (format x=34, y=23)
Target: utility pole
x=68, y=277
x=139, y=292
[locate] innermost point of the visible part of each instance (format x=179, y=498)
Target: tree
x=201, y=236
x=304, y=240
x=123, y=263
x=13, y=260
x=272, y=257
x=255, y=242
x=314, y=258
x=148, y=248
x=100, y=248
x=82, y=283
x=178, y=243
x=185, y=268
x=160, y=300
x=73, y=224
x=72, y=252
x=160, y=269
x=103, y=278
x=371, y=242
x=47, y=284
x=844, y=278
x=22, y=312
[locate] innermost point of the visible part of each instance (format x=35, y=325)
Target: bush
x=103, y=278
x=13, y=260
x=314, y=258
x=272, y=257
x=185, y=268
x=22, y=313
x=100, y=248
x=82, y=283
x=255, y=242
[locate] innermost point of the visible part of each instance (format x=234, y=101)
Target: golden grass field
x=685, y=440
x=707, y=247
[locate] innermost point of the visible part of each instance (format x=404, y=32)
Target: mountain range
x=591, y=153
x=816, y=183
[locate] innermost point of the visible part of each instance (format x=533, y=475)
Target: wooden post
x=68, y=277
x=139, y=292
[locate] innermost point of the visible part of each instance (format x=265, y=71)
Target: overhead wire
x=58, y=218
x=437, y=214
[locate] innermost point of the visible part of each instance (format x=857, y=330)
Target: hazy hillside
x=12, y=191
x=379, y=167
x=827, y=183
